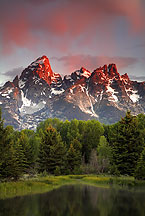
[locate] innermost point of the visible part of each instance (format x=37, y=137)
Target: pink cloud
x=22, y=22
x=75, y=62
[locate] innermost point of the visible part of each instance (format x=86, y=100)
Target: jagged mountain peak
x=109, y=67
x=112, y=71
x=16, y=81
x=107, y=72
x=43, y=60
x=113, y=66
x=43, y=57
x=78, y=74
x=84, y=72
x=125, y=77
x=40, y=68
x=39, y=93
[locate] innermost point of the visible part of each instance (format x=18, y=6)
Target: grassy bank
x=45, y=184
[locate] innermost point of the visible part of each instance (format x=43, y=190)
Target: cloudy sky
x=72, y=33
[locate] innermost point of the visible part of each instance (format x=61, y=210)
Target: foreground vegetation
x=74, y=147
x=44, y=184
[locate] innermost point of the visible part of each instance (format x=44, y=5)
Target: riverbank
x=44, y=184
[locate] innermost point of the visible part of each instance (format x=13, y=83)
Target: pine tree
x=12, y=156
x=7, y=160
x=20, y=162
x=6, y=150
x=73, y=131
x=23, y=142
x=52, y=151
x=1, y=141
x=2, y=137
x=127, y=144
x=71, y=159
x=34, y=142
x=140, y=169
x=74, y=156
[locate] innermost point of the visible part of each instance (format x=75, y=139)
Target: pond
x=77, y=200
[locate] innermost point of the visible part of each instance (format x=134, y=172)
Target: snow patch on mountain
x=29, y=107
x=26, y=101
x=133, y=95
x=101, y=95
x=86, y=74
x=82, y=88
x=71, y=90
x=91, y=112
x=10, y=90
x=21, y=84
x=112, y=92
x=4, y=94
x=83, y=72
x=56, y=92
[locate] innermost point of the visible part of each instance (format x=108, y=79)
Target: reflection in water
x=77, y=201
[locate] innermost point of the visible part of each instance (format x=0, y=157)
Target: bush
x=57, y=171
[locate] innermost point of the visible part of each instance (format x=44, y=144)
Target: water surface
x=79, y=200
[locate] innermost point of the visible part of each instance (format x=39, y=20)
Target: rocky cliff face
x=39, y=93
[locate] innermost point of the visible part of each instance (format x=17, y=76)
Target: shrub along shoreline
x=41, y=184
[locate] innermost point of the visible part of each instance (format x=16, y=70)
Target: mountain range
x=39, y=93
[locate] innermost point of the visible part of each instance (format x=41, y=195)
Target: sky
x=72, y=34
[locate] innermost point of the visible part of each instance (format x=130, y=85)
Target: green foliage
x=74, y=147
x=30, y=143
x=141, y=121
x=86, y=132
x=56, y=123
x=64, y=131
x=52, y=151
x=73, y=131
x=13, y=164
x=74, y=156
x=93, y=165
x=141, y=126
x=127, y=143
x=103, y=149
x=104, y=152
x=91, y=137
x=57, y=171
x=18, y=152
x=23, y=141
x=140, y=169
x=1, y=142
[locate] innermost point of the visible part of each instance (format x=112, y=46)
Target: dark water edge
x=77, y=200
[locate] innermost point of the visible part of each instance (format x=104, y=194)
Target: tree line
x=74, y=147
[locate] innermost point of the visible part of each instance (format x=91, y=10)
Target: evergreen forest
x=74, y=147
